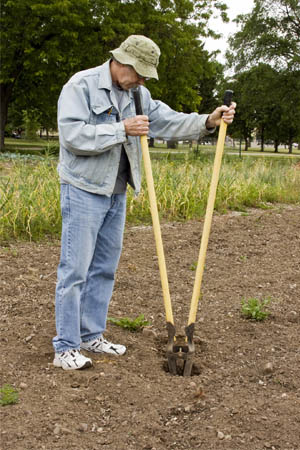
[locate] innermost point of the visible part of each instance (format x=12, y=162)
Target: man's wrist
x=209, y=125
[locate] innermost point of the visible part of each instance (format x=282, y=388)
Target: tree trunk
x=172, y=144
x=151, y=142
x=276, y=144
x=290, y=144
x=262, y=142
x=246, y=143
x=5, y=93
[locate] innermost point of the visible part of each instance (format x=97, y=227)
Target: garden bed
x=246, y=394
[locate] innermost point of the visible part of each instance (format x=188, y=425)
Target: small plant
x=193, y=266
x=253, y=308
x=8, y=395
x=130, y=324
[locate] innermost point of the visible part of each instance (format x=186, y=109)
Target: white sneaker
x=100, y=345
x=71, y=360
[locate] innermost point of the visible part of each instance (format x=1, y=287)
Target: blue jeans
x=91, y=243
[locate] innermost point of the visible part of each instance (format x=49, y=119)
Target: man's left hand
x=214, y=119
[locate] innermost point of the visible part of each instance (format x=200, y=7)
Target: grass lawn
x=40, y=144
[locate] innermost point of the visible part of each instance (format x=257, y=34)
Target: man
x=99, y=155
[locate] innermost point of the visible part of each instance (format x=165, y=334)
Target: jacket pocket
x=103, y=114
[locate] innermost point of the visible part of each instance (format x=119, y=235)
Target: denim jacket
x=92, y=132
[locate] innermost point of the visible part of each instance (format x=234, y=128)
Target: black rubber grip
x=228, y=97
x=137, y=101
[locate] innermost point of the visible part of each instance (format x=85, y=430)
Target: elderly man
x=99, y=156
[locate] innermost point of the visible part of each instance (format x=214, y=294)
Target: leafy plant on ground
x=255, y=309
x=8, y=395
x=130, y=324
x=193, y=266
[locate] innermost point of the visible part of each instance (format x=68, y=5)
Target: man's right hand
x=136, y=126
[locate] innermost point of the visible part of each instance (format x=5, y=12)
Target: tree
x=265, y=54
x=268, y=104
x=179, y=28
x=31, y=123
x=261, y=101
x=186, y=69
x=244, y=121
x=270, y=33
x=40, y=40
x=48, y=40
x=285, y=126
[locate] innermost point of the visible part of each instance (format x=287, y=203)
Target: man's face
x=127, y=77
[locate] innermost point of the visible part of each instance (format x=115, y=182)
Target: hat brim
x=143, y=69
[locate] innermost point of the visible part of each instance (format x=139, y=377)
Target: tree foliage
x=269, y=33
x=268, y=105
x=265, y=55
x=45, y=41
x=40, y=43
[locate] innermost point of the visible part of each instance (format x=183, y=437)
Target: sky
x=235, y=7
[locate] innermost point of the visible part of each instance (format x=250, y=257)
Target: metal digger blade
x=180, y=350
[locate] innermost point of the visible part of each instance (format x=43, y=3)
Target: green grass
x=39, y=145
x=8, y=395
x=29, y=191
x=36, y=147
x=29, y=200
x=22, y=143
x=182, y=187
x=269, y=149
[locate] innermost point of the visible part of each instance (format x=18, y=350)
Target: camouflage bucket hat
x=141, y=53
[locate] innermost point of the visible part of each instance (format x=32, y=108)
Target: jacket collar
x=105, y=81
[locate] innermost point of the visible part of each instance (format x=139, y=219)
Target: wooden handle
x=207, y=222
x=157, y=231
x=154, y=215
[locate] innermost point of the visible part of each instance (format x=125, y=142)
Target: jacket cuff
x=209, y=130
x=120, y=132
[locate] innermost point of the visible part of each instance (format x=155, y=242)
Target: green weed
x=8, y=395
x=130, y=324
x=255, y=309
x=194, y=265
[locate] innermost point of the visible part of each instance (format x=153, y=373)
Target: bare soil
x=246, y=391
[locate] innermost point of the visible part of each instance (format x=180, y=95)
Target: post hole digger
x=179, y=350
